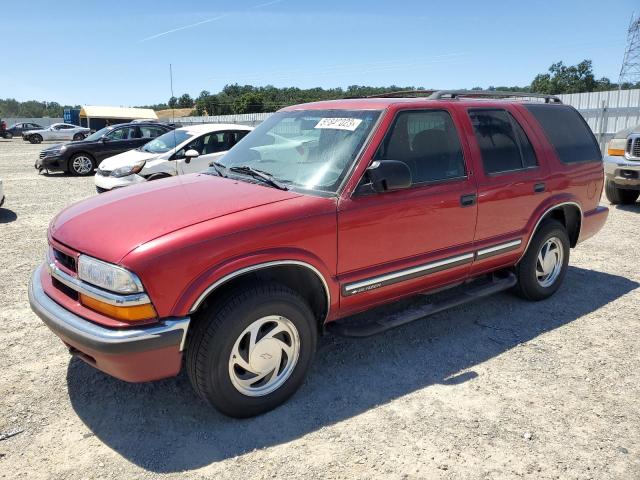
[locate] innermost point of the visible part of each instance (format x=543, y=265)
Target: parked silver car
x=57, y=131
x=622, y=167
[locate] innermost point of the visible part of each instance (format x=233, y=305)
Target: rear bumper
x=624, y=173
x=592, y=222
x=132, y=354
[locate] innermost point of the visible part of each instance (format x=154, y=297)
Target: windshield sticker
x=339, y=123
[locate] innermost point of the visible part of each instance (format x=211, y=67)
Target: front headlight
x=128, y=170
x=108, y=276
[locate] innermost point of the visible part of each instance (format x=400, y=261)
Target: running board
x=361, y=325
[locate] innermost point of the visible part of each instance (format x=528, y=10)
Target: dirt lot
x=498, y=389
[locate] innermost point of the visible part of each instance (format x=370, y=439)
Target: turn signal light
x=616, y=146
x=133, y=313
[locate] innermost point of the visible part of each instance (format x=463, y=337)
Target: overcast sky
x=118, y=52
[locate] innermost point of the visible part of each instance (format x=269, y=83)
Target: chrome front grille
x=635, y=150
x=632, y=151
x=65, y=260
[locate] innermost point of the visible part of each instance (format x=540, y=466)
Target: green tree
x=185, y=101
x=249, y=103
x=173, y=102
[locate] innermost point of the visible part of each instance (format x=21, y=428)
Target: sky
x=118, y=52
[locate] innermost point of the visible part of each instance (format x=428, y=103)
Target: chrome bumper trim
x=95, y=292
x=169, y=332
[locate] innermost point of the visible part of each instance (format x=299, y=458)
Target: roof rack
x=440, y=94
x=452, y=94
x=403, y=93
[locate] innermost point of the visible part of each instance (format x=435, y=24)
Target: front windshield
x=166, y=142
x=310, y=149
x=97, y=135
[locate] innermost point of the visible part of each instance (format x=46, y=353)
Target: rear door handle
x=468, y=200
x=539, y=187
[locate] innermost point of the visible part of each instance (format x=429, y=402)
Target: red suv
x=325, y=210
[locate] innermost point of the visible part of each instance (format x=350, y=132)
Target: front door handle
x=539, y=187
x=468, y=200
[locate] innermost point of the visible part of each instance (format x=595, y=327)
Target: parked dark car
x=82, y=157
x=17, y=129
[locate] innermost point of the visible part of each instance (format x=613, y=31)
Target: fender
x=206, y=283
x=543, y=209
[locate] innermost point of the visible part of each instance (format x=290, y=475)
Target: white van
x=183, y=150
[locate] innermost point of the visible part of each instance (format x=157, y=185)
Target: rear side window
x=503, y=144
x=427, y=141
x=567, y=131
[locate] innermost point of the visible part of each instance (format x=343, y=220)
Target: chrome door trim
x=498, y=249
x=405, y=274
x=261, y=266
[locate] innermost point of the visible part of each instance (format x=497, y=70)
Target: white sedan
x=57, y=131
x=180, y=151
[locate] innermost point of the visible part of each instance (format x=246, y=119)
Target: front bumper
x=109, y=183
x=54, y=163
x=133, y=354
x=624, y=173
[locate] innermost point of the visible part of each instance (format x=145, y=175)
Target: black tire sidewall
x=35, y=139
x=218, y=388
x=528, y=285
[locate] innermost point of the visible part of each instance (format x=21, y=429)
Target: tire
x=220, y=345
x=619, y=196
x=7, y=135
x=157, y=176
x=36, y=138
x=81, y=164
x=77, y=137
x=539, y=280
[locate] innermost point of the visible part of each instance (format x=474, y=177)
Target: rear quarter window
x=567, y=132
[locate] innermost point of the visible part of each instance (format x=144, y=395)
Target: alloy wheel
x=82, y=165
x=264, y=356
x=549, y=262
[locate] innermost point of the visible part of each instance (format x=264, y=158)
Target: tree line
x=234, y=98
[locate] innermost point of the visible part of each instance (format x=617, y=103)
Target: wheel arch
x=300, y=276
x=569, y=213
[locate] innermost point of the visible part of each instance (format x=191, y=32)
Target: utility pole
x=630, y=71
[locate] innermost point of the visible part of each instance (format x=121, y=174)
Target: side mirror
x=189, y=154
x=105, y=139
x=387, y=176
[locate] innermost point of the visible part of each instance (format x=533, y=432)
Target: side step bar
x=359, y=326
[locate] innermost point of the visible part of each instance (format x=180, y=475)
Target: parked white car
x=180, y=151
x=57, y=131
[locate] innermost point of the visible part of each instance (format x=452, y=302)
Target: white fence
x=605, y=112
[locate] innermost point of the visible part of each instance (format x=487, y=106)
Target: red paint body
x=183, y=234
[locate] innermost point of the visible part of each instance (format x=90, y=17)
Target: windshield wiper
x=260, y=175
x=219, y=168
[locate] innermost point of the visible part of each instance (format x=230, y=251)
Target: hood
x=112, y=224
x=126, y=158
x=56, y=146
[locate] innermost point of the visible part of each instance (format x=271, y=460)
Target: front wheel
x=544, y=265
x=81, y=164
x=618, y=196
x=251, y=352
x=35, y=138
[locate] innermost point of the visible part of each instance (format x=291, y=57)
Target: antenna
x=630, y=71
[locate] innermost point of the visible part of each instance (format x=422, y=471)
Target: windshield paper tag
x=339, y=123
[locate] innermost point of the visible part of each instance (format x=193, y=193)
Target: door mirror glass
x=386, y=176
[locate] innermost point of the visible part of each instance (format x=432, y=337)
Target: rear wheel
x=81, y=164
x=251, y=351
x=619, y=196
x=78, y=136
x=35, y=138
x=544, y=265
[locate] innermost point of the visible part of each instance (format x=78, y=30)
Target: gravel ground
x=497, y=389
